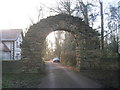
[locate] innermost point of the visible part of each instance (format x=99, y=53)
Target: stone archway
x=86, y=47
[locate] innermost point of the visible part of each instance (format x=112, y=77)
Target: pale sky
x=17, y=13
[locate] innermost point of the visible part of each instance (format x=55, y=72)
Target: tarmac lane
x=60, y=77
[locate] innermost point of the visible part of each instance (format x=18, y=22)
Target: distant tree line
x=90, y=11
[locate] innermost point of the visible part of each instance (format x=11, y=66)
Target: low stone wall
x=32, y=66
x=22, y=66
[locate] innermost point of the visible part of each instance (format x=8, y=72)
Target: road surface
x=60, y=77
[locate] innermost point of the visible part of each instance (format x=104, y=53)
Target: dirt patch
x=70, y=68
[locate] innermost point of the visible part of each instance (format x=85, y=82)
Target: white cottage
x=10, y=42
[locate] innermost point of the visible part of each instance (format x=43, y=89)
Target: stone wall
x=86, y=40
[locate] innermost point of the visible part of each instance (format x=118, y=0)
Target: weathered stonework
x=86, y=40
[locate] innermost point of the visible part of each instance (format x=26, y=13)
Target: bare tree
x=102, y=25
x=39, y=15
x=58, y=42
x=84, y=10
x=64, y=6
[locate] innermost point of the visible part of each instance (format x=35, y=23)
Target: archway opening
x=60, y=44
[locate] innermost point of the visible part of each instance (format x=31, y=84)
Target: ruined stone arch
x=87, y=39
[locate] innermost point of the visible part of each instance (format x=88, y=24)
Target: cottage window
x=17, y=54
x=17, y=44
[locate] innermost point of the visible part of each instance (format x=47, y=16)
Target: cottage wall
x=8, y=55
x=0, y=53
x=13, y=44
x=17, y=49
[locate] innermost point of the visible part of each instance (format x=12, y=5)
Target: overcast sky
x=17, y=13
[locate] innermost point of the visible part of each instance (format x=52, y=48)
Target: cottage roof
x=10, y=35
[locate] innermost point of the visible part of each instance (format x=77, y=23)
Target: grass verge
x=14, y=80
x=108, y=78
x=108, y=75
x=12, y=77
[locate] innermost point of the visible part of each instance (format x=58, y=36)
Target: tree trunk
x=102, y=27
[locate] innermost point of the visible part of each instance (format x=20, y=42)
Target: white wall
x=17, y=49
x=13, y=46
x=0, y=51
x=5, y=55
x=9, y=44
x=0, y=54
